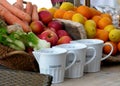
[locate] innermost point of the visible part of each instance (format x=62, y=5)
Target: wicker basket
x=75, y=29
x=18, y=60
x=23, y=78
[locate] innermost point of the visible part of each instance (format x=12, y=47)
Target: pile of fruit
x=97, y=25
x=43, y=25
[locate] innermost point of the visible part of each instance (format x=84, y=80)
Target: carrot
x=29, y=8
x=35, y=16
x=17, y=12
x=12, y=19
x=19, y=4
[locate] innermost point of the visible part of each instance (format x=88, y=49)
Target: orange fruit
x=75, y=9
x=118, y=46
x=68, y=15
x=59, y=13
x=107, y=48
x=106, y=15
x=85, y=11
x=102, y=34
x=96, y=19
x=95, y=11
x=104, y=21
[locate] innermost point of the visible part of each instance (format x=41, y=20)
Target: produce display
x=97, y=25
x=39, y=29
x=28, y=29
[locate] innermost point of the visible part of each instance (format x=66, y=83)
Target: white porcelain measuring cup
x=53, y=61
x=77, y=69
x=94, y=66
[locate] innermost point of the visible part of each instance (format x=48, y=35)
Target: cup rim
x=59, y=51
x=77, y=46
x=88, y=41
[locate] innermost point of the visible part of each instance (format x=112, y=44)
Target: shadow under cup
x=94, y=66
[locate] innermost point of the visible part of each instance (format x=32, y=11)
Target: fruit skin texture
x=54, y=24
x=37, y=27
x=45, y=16
x=91, y=31
x=109, y=28
x=118, y=46
x=102, y=34
x=61, y=33
x=90, y=23
x=104, y=22
x=64, y=40
x=85, y=11
x=90, y=28
x=49, y=36
x=67, y=6
x=78, y=18
x=107, y=48
x=114, y=35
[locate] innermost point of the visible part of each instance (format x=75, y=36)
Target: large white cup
x=94, y=66
x=52, y=61
x=77, y=69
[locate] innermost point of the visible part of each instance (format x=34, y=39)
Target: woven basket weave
x=23, y=78
x=18, y=60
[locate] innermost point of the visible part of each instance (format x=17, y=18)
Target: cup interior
x=51, y=51
x=72, y=46
x=88, y=41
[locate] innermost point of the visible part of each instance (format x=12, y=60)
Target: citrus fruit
x=89, y=23
x=67, y=6
x=52, y=10
x=59, y=13
x=114, y=35
x=90, y=31
x=85, y=11
x=109, y=27
x=96, y=19
x=118, y=46
x=104, y=21
x=102, y=34
x=107, y=48
x=68, y=15
x=78, y=18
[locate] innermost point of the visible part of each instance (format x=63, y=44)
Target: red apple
x=55, y=24
x=37, y=27
x=45, y=16
x=61, y=33
x=49, y=36
x=64, y=40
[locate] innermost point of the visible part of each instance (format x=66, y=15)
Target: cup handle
x=93, y=57
x=75, y=58
x=109, y=53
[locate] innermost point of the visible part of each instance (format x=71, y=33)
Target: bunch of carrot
x=20, y=12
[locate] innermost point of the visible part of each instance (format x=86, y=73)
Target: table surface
x=108, y=76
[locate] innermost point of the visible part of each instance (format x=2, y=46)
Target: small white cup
x=94, y=66
x=52, y=61
x=77, y=69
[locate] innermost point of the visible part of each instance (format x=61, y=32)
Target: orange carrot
x=17, y=12
x=35, y=16
x=19, y=4
x=12, y=19
x=29, y=8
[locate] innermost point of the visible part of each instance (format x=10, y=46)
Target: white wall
x=39, y=3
